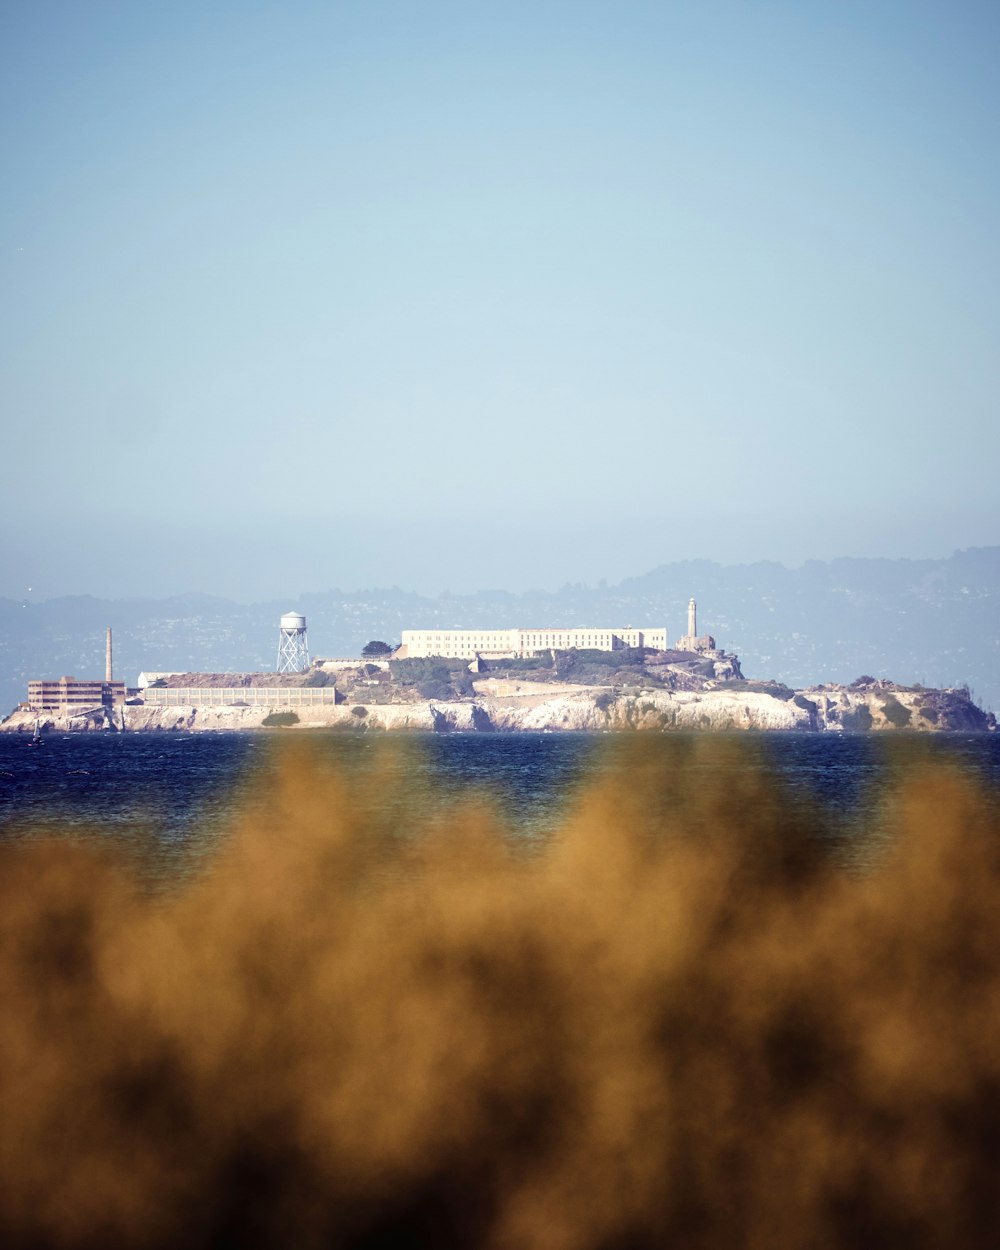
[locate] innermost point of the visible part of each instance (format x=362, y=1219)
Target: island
x=629, y=688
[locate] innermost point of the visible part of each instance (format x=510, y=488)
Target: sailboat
x=36, y=737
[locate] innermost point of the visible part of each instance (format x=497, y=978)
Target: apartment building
x=64, y=694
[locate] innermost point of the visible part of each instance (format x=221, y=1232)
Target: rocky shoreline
x=879, y=707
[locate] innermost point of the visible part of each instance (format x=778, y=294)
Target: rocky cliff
x=512, y=707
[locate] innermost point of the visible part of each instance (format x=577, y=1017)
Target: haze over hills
x=933, y=621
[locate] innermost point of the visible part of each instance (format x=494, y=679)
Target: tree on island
x=375, y=648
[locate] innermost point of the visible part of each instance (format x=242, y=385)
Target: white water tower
x=293, y=650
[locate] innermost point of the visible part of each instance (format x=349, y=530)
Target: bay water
x=169, y=799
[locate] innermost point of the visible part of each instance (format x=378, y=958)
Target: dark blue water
x=168, y=798
x=177, y=793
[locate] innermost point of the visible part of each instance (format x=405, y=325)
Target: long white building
x=468, y=643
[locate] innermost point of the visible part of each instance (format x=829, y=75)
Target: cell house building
x=469, y=643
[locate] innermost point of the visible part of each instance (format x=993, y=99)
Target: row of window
x=464, y=645
x=276, y=696
x=79, y=691
x=70, y=685
x=506, y=640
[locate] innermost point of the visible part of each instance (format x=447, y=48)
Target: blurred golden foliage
x=681, y=1025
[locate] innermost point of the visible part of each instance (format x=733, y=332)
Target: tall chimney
x=107, y=658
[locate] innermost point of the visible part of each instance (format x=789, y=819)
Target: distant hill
x=936, y=622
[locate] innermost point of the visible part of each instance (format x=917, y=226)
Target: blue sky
x=457, y=295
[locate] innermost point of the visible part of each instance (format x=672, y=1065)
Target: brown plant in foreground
x=679, y=1026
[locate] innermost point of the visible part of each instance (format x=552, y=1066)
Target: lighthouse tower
x=691, y=641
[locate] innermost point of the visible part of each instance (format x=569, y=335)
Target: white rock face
x=513, y=707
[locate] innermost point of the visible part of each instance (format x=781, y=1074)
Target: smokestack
x=107, y=658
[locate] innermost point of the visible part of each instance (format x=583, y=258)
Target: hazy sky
x=304, y=295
